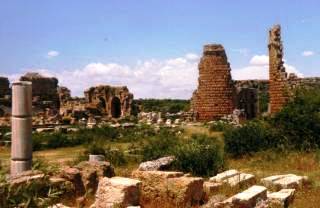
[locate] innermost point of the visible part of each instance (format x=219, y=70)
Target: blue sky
x=68, y=37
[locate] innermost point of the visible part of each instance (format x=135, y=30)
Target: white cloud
x=52, y=54
x=192, y=56
x=307, y=53
x=259, y=60
x=259, y=69
x=170, y=78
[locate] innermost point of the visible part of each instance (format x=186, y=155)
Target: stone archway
x=115, y=107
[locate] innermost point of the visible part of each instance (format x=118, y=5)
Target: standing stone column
x=21, y=127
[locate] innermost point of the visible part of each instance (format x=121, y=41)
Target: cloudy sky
x=152, y=46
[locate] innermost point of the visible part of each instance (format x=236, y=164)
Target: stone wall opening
x=115, y=107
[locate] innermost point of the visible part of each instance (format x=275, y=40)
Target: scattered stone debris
x=159, y=164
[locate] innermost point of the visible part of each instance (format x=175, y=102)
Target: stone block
x=241, y=179
x=159, y=164
x=285, y=181
x=211, y=188
x=283, y=197
x=169, y=189
x=245, y=199
x=224, y=175
x=117, y=191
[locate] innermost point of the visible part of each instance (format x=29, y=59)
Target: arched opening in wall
x=115, y=107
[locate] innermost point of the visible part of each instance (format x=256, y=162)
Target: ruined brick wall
x=64, y=94
x=44, y=90
x=214, y=96
x=278, y=88
x=112, y=101
x=4, y=87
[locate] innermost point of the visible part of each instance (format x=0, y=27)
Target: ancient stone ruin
x=5, y=95
x=4, y=87
x=278, y=89
x=114, y=102
x=214, y=96
x=53, y=104
x=44, y=90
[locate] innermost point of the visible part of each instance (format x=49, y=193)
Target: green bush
x=57, y=140
x=160, y=145
x=219, y=126
x=37, y=193
x=96, y=148
x=252, y=137
x=201, y=155
x=163, y=105
x=115, y=156
x=299, y=120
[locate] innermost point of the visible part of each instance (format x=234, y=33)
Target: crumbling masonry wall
x=4, y=87
x=44, y=90
x=278, y=85
x=214, y=96
x=114, y=102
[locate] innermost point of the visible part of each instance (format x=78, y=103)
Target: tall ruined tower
x=277, y=74
x=214, y=96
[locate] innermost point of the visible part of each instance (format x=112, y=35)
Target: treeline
x=163, y=105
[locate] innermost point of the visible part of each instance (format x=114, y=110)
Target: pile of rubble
x=154, y=188
x=150, y=187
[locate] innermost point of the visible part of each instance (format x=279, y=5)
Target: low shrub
x=37, y=193
x=219, y=126
x=200, y=155
x=252, y=137
x=57, y=140
x=115, y=157
x=96, y=148
x=299, y=120
x=160, y=145
x=44, y=166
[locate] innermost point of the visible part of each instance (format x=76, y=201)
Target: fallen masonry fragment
x=283, y=197
x=117, y=192
x=285, y=181
x=169, y=189
x=159, y=164
x=246, y=199
x=224, y=175
x=233, y=178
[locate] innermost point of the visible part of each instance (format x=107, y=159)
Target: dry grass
x=270, y=163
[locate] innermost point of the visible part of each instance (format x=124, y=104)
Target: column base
x=20, y=166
